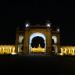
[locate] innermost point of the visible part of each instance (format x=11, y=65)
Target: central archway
x=37, y=39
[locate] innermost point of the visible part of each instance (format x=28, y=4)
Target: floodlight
x=27, y=25
x=48, y=25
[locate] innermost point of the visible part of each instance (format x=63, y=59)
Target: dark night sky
x=15, y=13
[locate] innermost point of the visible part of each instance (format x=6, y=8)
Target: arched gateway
x=36, y=39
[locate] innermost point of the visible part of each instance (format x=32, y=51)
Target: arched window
x=55, y=39
x=21, y=38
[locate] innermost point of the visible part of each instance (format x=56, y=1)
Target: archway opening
x=54, y=39
x=37, y=43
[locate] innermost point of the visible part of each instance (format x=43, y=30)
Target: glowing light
x=39, y=49
x=54, y=38
x=27, y=25
x=58, y=29
x=37, y=34
x=60, y=54
x=48, y=25
x=13, y=53
x=7, y=49
x=20, y=38
x=68, y=50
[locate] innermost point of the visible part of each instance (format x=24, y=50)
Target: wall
x=10, y=49
x=67, y=50
x=7, y=49
x=30, y=31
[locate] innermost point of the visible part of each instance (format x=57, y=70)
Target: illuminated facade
x=37, y=39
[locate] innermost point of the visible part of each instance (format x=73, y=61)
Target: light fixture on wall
x=27, y=25
x=58, y=29
x=48, y=24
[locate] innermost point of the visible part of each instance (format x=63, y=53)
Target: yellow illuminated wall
x=10, y=49
x=7, y=49
x=67, y=50
x=39, y=49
